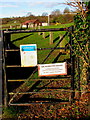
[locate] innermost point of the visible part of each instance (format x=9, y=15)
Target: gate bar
x=37, y=49
x=60, y=90
x=37, y=30
x=72, y=67
x=28, y=104
x=21, y=80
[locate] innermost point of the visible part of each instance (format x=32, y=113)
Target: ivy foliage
x=81, y=46
x=81, y=35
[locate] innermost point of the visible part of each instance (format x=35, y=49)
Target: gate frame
x=6, y=43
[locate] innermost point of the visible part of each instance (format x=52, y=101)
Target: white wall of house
x=24, y=26
x=44, y=24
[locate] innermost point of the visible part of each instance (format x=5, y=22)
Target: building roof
x=30, y=21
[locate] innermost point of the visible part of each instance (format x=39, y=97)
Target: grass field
x=51, y=26
x=34, y=38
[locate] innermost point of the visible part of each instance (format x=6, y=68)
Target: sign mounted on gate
x=52, y=69
x=28, y=55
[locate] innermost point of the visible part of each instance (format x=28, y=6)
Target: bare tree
x=29, y=14
x=44, y=14
x=56, y=12
x=66, y=10
x=78, y=5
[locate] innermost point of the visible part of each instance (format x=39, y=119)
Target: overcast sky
x=16, y=8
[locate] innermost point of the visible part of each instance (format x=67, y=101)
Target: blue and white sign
x=28, y=55
x=28, y=48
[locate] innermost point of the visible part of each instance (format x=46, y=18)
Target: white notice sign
x=52, y=69
x=28, y=55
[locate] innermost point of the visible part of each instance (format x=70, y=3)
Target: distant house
x=31, y=23
x=44, y=24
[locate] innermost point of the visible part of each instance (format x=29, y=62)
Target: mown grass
x=51, y=26
x=34, y=38
x=59, y=25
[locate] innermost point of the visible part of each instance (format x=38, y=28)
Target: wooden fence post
x=20, y=26
x=39, y=32
x=10, y=26
x=51, y=38
x=61, y=44
x=15, y=26
x=43, y=35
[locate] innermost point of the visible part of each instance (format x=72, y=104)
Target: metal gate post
x=7, y=40
x=4, y=71
x=72, y=66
